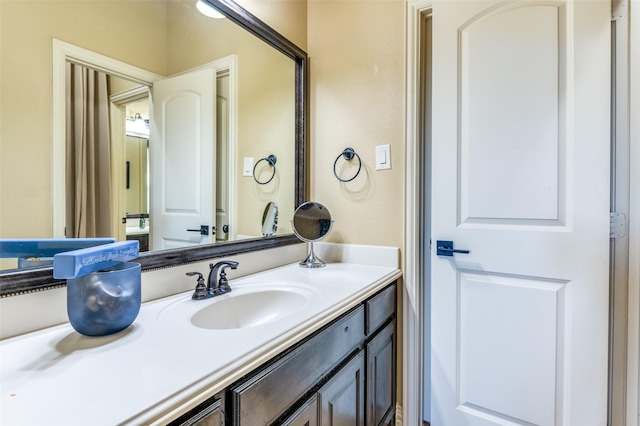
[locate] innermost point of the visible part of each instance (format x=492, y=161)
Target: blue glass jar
x=106, y=301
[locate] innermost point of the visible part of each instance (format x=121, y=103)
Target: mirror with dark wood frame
x=17, y=281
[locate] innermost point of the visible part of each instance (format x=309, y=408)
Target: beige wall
x=288, y=17
x=357, y=82
x=356, y=51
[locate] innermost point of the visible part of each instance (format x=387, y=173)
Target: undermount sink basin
x=248, y=305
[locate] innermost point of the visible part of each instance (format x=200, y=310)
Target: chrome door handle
x=445, y=248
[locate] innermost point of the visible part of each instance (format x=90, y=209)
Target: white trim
x=62, y=53
x=633, y=347
x=230, y=63
x=130, y=95
x=118, y=104
x=413, y=309
x=619, y=284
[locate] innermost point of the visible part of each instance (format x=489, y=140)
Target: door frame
x=64, y=52
x=633, y=346
x=117, y=108
x=415, y=261
x=620, y=306
x=413, y=309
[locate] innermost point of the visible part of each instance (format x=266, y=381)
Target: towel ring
x=271, y=159
x=348, y=155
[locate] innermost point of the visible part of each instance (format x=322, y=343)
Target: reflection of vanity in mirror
x=176, y=182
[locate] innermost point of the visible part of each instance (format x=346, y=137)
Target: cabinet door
x=342, y=398
x=305, y=416
x=379, y=308
x=381, y=373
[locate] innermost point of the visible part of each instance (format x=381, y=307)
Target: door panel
x=182, y=149
x=510, y=342
x=342, y=398
x=520, y=178
x=509, y=152
x=381, y=384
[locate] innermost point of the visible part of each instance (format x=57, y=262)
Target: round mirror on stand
x=311, y=222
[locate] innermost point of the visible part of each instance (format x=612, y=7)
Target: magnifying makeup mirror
x=311, y=222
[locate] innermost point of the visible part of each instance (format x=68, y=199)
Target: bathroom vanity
x=288, y=345
x=344, y=370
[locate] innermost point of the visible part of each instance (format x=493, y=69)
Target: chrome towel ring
x=271, y=159
x=348, y=155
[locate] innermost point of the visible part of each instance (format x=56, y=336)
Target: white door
x=521, y=179
x=183, y=160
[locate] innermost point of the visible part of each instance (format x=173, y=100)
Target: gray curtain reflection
x=88, y=156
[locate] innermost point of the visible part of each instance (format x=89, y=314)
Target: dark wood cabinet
x=307, y=415
x=343, y=374
x=381, y=372
x=342, y=397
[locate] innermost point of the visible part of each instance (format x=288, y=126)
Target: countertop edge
x=187, y=399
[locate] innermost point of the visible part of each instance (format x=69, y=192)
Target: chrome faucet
x=222, y=285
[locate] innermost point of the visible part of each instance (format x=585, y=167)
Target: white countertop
x=158, y=368
x=136, y=230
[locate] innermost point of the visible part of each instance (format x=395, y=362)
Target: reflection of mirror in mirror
x=170, y=39
x=311, y=222
x=270, y=219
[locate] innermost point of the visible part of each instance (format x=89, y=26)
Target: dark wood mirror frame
x=15, y=282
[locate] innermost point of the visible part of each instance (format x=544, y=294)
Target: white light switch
x=247, y=168
x=383, y=157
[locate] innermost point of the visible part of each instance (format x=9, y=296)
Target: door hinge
x=619, y=9
x=617, y=225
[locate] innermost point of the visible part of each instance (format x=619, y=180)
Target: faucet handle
x=223, y=283
x=201, y=289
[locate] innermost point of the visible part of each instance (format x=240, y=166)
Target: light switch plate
x=383, y=157
x=247, y=167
